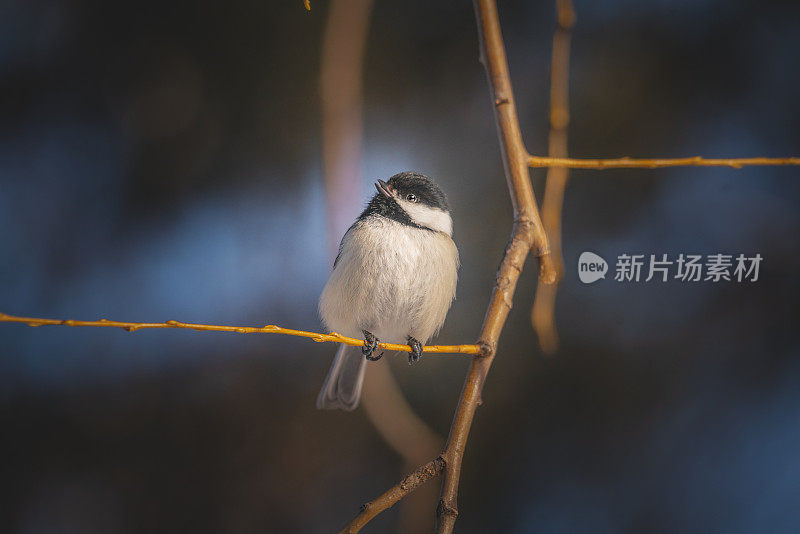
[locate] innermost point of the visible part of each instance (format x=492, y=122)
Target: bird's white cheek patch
x=432, y=218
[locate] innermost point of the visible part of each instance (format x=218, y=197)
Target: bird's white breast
x=391, y=279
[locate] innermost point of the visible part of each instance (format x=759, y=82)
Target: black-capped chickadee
x=393, y=280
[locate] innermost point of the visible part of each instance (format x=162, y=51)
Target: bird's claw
x=370, y=344
x=416, y=350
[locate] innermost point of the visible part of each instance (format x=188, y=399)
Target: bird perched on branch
x=393, y=281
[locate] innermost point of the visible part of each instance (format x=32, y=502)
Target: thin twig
x=268, y=329
x=420, y=476
x=543, y=311
x=631, y=163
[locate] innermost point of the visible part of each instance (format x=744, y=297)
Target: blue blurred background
x=162, y=161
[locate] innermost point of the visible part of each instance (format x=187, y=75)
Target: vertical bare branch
x=515, y=156
x=543, y=312
x=527, y=233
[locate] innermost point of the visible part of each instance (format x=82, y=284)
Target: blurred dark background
x=162, y=161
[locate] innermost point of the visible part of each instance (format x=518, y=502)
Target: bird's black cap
x=425, y=189
x=401, y=185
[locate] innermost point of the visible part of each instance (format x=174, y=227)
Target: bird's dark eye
x=411, y=197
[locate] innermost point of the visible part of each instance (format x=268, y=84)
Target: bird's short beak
x=384, y=188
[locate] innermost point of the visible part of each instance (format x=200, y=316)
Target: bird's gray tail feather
x=342, y=387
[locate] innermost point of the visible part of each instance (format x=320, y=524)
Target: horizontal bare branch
x=269, y=329
x=631, y=163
